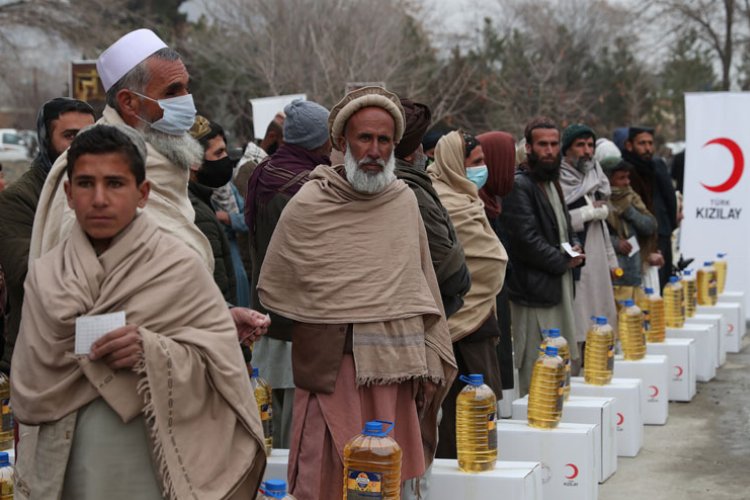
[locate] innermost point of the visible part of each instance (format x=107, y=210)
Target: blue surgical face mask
x=478, y=175
x=179, y=114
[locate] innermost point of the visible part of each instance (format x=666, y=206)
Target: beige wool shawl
x=168, y=203
x=191, y=386
x=486, y=257
x=338, y=257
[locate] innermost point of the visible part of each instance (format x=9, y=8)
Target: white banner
x=265, y=109
x=717, y=189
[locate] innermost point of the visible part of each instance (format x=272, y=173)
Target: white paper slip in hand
x=569, y=250
x=91, y=328
x=634, y=244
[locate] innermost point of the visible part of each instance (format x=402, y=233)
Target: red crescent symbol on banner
x=679, y=371
x=738, y=160
x=731, y=327
x=654, y=391
x=574, y=469
x=620, y=418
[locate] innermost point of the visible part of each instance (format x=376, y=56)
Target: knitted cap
x=365, y=97
x=306, y=124
x=573, y=132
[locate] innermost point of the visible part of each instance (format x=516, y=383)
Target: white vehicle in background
x=12, y=145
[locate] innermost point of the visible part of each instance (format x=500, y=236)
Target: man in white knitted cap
x=349, y=264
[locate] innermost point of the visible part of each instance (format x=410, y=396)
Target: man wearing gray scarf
x=586, y=190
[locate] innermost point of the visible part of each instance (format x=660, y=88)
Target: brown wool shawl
x=486, y=257
x=338, y=256
x=191, y=384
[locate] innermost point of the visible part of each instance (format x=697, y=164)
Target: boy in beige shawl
x=159, y=408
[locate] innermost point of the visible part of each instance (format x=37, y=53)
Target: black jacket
x=447, y=253
x=538, y=259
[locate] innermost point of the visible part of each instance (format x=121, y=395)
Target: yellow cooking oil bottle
x=6, y=477
x=262, y=392
x=372, y=464
x=554, y=338
x=657, y=329
x=272, y=489
x=6, y=422
x=476, y=428
x=707, y=285
x=546, y=390
x=599, y=353
x=674, y=303
x=689, y=293
x=630, y=328
x=721, y=272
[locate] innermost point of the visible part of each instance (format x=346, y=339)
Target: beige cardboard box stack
x=584, y=410
x=653, y=370
x=567, y=454
x=681, y=354
x=628, y=408
x=705, y=348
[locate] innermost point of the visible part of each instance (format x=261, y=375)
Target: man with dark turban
x=58, y=122
x=446, y=251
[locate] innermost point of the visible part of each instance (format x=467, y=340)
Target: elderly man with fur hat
x=586, y=190
x=272, y=184
x=349, y=263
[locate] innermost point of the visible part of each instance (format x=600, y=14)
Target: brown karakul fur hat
x=365, y=97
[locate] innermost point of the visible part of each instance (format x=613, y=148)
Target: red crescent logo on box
x=620, y=418
x=738, y=165
x=678, y=371
x=731, y=327
x=574, y=469
x=654, y=391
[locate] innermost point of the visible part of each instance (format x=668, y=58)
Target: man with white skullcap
x=349, y=263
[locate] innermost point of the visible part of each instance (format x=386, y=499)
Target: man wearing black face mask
x=205, y=179
x=538, y=225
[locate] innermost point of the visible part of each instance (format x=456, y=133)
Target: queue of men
x=372, y=282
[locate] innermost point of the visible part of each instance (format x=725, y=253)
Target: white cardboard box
x=731, y=313
x=705, y=348
x=737, y=298
x=566, y=454
x=522, y=480
x=584, y=410
x=681, y=354
x=628, y=409
x=716, y=321
x=653, y=370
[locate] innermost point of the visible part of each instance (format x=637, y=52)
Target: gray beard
x=184, y=151
x=366, y=183
x=583, y=165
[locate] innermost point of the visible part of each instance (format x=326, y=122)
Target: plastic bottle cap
x=648, y=290
x=255, y=372
x=674, y=279
x=708, y=263
x=628, y=303
x=377, y=428
x=687, y=272
x=553, y=332
x=4, y=459
x=721, y=255
x=475, y=379
x=275, y=488
x=550, y=350
x=601, y=320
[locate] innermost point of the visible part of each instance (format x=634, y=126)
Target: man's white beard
x=182, y=150
x=364, y=182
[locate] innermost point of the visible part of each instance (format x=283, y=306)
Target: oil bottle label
x=491, y=431
x=361, y=485
x=7, y=417
x=611, y=357
x=560, y=396
x=266, y=419
x=646, y=320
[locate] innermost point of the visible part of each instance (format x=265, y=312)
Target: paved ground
x=703, y=452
